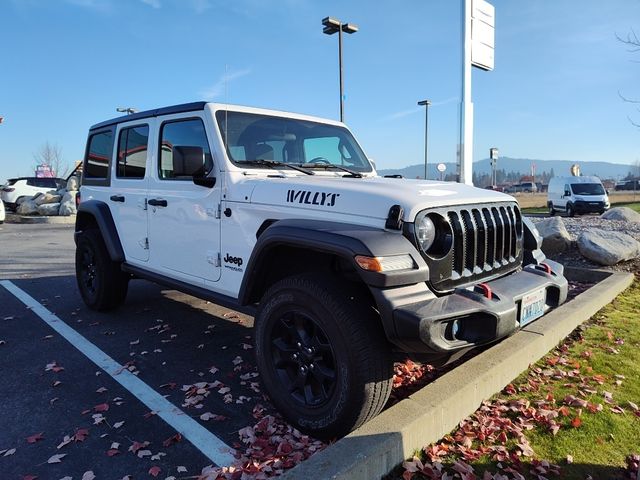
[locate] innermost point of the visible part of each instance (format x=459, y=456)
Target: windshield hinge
x=219, y=211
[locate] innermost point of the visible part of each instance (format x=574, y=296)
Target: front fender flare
x=340, y=239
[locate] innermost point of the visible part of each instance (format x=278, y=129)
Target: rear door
x=129, y=184
x=184, y=223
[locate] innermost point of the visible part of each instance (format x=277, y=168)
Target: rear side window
x=46, y=182
x=99, y=153
x=132, y=152
x=184, y=150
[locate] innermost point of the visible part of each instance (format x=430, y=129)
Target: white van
x=577, y=195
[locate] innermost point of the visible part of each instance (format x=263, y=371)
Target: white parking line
x=201, y=438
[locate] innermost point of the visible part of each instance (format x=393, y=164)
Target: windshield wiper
x=275, y=164
x=352, y=173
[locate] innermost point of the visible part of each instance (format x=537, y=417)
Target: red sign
x=44, y=171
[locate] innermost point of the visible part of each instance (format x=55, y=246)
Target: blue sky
x=67, y=64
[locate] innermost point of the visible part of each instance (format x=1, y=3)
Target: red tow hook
x=546, y=268
x=486, y=290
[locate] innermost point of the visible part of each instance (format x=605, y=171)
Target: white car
x=2, y=216
x=26, y=187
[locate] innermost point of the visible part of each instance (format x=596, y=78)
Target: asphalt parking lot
x=63, y=415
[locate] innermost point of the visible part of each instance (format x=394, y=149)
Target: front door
x=184, y=228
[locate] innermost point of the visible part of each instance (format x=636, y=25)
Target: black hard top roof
x=184, y=107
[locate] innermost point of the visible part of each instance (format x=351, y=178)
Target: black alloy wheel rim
x=88, y=270
x=303, y=359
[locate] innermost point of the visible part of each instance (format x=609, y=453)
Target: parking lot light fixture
x=331, y=26
x=426, y=104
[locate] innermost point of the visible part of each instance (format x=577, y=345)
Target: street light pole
x=127, y=110
x=426, y=104
x=331, y=26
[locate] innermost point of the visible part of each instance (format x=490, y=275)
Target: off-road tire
x=340, y=326
x=102, y=284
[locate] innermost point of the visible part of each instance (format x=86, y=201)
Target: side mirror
x=567, y=193
x=208, y=182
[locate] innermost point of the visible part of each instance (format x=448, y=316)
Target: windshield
x=249, y=136
x=587, y=189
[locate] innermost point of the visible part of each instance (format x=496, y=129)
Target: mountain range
x=522, y=166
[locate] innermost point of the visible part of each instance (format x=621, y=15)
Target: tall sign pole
x=478, y=19
x=465, y=171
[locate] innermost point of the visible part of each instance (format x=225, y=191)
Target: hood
x=367, y=196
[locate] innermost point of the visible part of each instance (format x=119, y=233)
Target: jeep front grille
x=486, y=241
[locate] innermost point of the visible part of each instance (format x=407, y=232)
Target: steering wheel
x=319, y=160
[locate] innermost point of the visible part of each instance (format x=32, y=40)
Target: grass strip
x=572, y=415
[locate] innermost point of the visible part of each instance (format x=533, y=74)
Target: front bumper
x=583, y=206
x=442, y=327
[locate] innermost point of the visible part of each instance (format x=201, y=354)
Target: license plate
x=532, y=306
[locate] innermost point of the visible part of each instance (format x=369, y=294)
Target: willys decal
x=307, y=197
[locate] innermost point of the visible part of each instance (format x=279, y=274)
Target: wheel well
x=285, y=260
x=85, y=221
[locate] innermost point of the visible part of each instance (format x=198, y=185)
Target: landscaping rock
x=555, y=237
x=48, y=198
x=49, y=209
x=72, y=184
x=27, y=207
x=622, y=213
x=68, y=204
x=608, y=248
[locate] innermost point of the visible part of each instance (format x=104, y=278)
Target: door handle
x=157, y=202
x=117, y=198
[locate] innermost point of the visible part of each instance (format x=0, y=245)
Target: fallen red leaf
x=576, y=422
x=103, y=407
x=35, y=438
x=155, y=471
x=112, y=452
x=81, y=434
x=171, y=440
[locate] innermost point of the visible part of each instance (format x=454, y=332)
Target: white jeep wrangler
x=283, y=216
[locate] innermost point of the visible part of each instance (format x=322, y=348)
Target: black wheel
x=102, y=284
x=570, y=210
x=552, y=211
x=322, y=355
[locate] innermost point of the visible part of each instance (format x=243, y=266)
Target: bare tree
x=51, y=154
x=633, y=45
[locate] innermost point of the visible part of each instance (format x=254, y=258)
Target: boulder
x=49, y=209
x=608, y=248
x=624, y=214
x=555, y=237
x=68, y=204
x=48, y=198
x=27, y=207
x=72, y=184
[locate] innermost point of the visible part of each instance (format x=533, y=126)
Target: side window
x=184, y=150
x=31, y=182
x=99, y=155
x=132, y=152
x=567, y=188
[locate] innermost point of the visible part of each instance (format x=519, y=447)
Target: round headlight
x=425, y=233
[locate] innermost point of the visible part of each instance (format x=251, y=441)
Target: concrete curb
x=432, y=412
x=13, y=218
